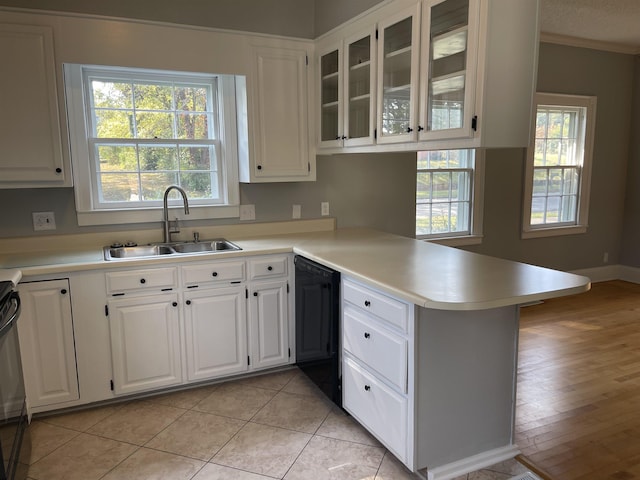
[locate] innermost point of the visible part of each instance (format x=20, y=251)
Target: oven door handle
x=13, y=317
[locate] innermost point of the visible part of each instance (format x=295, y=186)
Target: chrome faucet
x=167, y=226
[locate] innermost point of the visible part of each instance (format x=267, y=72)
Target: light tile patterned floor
x=271, y=426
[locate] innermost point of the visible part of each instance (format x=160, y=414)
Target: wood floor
x=578, y=403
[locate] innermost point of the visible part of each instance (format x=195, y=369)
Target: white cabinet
x=278, y=149
x=377, y=386
x=145, y=342
x=449, y=74
x=47, y=343
x=347, y=91
x=269, y=311
x=216, y=336
x=30, y=140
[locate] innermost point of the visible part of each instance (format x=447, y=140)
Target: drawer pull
x=214, y=274
x=63, y=291
x=367, y=388
x=269, y=268
x=367, y=335
x=175, y=304
x=367, y=303
x=188, y=302
x=142, y=280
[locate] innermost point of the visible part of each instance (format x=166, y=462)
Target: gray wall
x=631, y=232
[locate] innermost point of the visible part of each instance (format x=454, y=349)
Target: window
x=449, y=195
x=559, y=166
x=135, y=132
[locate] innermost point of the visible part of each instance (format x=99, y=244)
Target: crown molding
x=588, y=43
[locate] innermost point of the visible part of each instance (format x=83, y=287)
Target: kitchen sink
x=179, y=248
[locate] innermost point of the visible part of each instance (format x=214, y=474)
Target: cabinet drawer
x=378, y=348
x=142, y=280
x=387, y=308
x=267, y=267
x=380, y=409
x=213, y=272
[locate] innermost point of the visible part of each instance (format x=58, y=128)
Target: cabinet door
x=359, y=89
x=46, y=342
x=398, y=59
x=280, y=117
x=269, y=336
x=216, y=334
x=449, y=47
x=331, y=107
x=30, y=141
x=145, y=343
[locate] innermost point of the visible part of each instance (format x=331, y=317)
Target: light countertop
x=423, y=273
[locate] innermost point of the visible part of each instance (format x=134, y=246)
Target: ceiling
x=604, y=24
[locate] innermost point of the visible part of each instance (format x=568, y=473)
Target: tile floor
x=276, y=425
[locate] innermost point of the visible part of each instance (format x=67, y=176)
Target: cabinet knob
x=259, y=167
x=188, y=302
x=420, y=128
x=367, y=335
x=175, y=304
x=214, y=274
x=367, y=303
x=344, y=138
x=367, y=387
x=63, y=291
x=255, y=294
x=142, y=280
x=269, y=268
x=409, y=129
x=58, y=170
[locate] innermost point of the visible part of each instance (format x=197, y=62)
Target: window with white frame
x=558, y=170
x=135, y=132
x=449, y=194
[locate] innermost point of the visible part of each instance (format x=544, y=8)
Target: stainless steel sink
x=181, y=248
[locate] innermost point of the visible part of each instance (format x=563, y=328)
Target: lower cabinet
x=215, y=332
x=47, y=344
x=145, y=343
x=268, y=324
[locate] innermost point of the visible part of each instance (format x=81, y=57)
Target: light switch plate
x=44, y=221
x=324, y=209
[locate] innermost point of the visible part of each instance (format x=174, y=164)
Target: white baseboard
x=611, y=272
x=470, y=464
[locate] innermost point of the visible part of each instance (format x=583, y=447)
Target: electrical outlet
x=44, y=221
x=247, y=212
x=297, y=211
x=605, y=257
x=324, y=209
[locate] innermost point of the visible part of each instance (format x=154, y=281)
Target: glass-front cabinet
x=347, y=92
x=448, y=70
x=398, y=76
x=330, y=101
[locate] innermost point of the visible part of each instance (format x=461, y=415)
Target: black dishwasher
x=318, y=325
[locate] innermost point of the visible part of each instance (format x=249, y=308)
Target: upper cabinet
x=347, y=91
x=278, y=149
x=448, y=74
x=30, y=137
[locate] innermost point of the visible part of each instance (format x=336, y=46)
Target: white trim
x=587, y=140
x=611, y=272
x=470, y=464
x=588, y=43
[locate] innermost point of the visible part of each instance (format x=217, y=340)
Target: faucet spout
x=165, y=207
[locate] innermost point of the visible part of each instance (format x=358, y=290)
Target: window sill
x=116, y=217
x=554, y=231
x=455, y=241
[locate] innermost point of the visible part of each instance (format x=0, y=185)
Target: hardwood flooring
x=578, y=402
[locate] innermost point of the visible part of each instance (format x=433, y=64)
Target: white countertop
x=423, y=273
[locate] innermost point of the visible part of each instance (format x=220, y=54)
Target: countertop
x=423, y=273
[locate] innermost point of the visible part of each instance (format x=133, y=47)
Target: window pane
x=154, y=158
x=153, y=97
x=115, y=158
x=191, y=99
x=423, y=191
x=555, y=181
x=539, y=182
x=113, y=124
x=440, y=218
x=552, y=213
x=111, y=95
x=196, y=158
x=197, y=185
x=154, y=125
x=154, y=184
x=193, y=126
x=119, y=187
x=538, y=207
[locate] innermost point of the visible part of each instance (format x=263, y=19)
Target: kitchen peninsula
x=434, y=378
